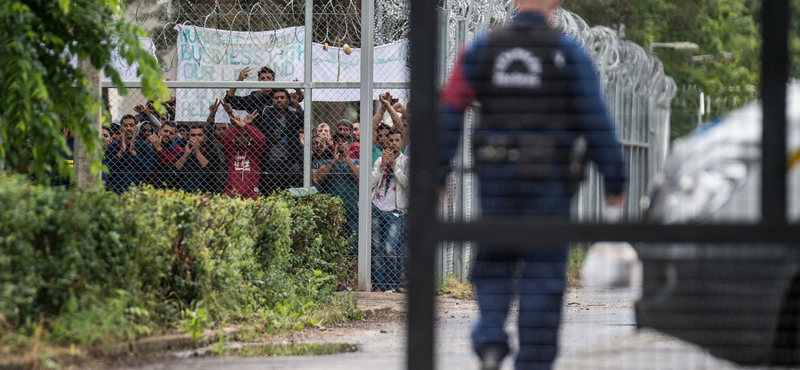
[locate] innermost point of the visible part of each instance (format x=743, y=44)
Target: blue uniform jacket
x=501, y=194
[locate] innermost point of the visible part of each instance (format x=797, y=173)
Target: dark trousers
x=537, y=275
x=388, y=231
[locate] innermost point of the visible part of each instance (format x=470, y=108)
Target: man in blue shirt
x=339, y=177
x=129, y=161
x=542, y=112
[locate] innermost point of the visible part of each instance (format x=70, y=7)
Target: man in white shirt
x=390, y=202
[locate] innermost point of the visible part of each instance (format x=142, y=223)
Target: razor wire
x=637, y=90
x=336, y=22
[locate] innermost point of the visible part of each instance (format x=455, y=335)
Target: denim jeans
x=388, y=230
x=537, y=275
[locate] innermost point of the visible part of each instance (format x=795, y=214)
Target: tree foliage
x=43, y=92
x=726, y=31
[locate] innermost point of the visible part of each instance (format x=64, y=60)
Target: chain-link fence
x=253, y=144
x=692, y=108
x=637, y=92
x=249, y=139
x=224, y=135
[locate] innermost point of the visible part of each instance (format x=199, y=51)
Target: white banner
x=207, y=54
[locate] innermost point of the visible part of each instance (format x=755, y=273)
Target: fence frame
x=425, y=230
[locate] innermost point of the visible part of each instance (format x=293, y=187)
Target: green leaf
x=64, y=5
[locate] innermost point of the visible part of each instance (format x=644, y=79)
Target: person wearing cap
x=345, y=127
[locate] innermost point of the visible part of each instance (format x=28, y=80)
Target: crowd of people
x=261, y=151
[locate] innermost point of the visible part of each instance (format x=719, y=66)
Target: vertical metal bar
x=365, y=165
x=422, y=200
x=487, y=22
x=774, y=75
x=309, y=109
x=444, y=19
x=512, y=6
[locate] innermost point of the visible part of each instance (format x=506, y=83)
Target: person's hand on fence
x=243, y=74
x=228, y=108
x=295, y=99
x=155, y=142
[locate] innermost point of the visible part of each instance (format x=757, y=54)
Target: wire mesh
x=215, y=41
x=256, y=146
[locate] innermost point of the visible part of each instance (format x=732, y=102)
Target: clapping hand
x=132, y=145
x=155, y=141
x=388, y=157
x=190, y=146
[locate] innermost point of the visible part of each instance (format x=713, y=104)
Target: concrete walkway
x=598, y=332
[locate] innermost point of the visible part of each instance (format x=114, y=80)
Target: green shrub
x=91, y=267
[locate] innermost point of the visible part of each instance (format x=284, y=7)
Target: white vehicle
x=741, y=302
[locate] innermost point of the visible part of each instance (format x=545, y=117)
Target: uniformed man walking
x=543, y=116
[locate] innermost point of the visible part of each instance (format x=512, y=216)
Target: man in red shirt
x=243, y=145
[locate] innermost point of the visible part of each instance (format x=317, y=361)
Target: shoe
x=491, y=356
x=399, y=290
x=376, y=289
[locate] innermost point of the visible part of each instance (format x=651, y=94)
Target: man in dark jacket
x=129, y=161
x=201, y=164
x=542, y=110
x=258, y=99
x=282, y=162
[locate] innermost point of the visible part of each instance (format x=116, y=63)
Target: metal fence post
x=309, y=109
x=365, y=169
x=774, y=76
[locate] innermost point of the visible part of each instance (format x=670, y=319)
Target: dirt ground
x=384, y=312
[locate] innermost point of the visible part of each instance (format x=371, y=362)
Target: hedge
x=91, y=267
